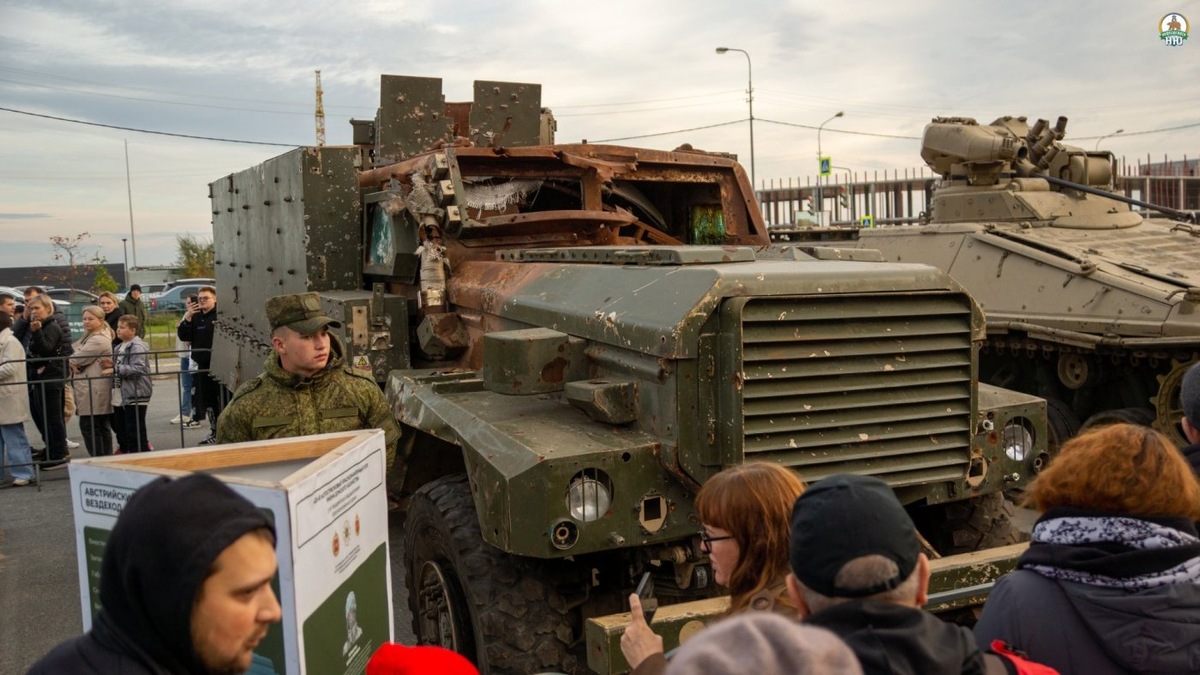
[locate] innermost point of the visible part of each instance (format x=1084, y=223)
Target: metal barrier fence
x=901, y=197
x=173, y=394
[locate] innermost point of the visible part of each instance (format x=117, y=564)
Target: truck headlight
x=589, y=495
x=1018, y=439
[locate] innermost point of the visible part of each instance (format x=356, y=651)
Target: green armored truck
x=575, y=337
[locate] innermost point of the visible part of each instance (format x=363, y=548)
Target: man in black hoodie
x=1189, y=399
x=858, y=571
x=185, y=586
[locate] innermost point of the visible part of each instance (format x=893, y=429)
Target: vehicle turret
x=1089, y=303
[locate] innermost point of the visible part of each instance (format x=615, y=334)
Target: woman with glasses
x=746, y=512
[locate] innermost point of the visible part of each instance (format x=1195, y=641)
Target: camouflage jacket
x=279, y=404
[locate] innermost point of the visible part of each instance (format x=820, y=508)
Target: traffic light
x=810, y=206
x=843, y=198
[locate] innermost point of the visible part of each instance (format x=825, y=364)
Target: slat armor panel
x=872, y=385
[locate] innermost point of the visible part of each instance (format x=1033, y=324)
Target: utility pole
x=749, y=100
x=320, y=114
x=821, y=177
x=129, y=193
x=126, y=272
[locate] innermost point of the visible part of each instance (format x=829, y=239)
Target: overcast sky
x=609, y=70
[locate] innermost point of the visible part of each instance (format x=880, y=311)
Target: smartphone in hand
x=645, y=593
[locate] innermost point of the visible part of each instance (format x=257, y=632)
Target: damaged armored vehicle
x=575, y=337
x=1089, y=304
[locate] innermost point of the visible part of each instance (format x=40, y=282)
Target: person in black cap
x=185, y=586
x=1189, y=400
x=858, y=571
x=306, y=386
x=132, y=305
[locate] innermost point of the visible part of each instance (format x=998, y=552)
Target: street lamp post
x=750, y=99
x=821, y=179
x=125, y=246
x=1118, y=131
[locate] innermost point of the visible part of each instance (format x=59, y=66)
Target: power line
x=839, y=131
x=1139, y=133
x=654, y=100
x=92, y=85
x=607, y=140
x=153, y=100
x=663, y=133
x=637, y=110
x=147, y=131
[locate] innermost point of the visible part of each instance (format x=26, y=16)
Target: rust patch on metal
x=555, y=370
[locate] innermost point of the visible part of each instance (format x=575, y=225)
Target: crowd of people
x=102, y=379
x=828, y=578
x=1110, y=582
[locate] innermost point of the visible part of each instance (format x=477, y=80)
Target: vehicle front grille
x=876, y=385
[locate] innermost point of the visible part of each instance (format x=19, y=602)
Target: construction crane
x=320, y=114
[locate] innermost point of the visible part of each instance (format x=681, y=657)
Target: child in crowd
x=132, y=386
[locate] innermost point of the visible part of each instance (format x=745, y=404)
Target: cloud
x=609, y=70
x=23, y=216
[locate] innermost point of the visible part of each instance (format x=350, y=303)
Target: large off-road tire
x=498, y=610
x=977, y=524
x=1062, y=423
x=1142, y=416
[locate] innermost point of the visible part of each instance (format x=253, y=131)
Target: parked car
x=17, y=293
x=198, y=281
x=72, y=310
x=73, y=295
x=174, y=299
x=148, y=291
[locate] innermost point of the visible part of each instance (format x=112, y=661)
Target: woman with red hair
x=746, y=513
x=1111, y=580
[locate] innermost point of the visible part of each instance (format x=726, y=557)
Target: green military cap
x=299, y=311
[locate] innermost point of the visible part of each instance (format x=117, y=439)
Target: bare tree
x=69, y=250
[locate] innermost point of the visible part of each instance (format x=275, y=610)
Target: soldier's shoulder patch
x=349, y=370
x=247, y=387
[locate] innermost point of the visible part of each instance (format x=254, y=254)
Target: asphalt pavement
x=39, y=579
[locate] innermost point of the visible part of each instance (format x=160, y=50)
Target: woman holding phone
x=746, y=512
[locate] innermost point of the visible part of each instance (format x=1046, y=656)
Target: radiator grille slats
x=873, y=385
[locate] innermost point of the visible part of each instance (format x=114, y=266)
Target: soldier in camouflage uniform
x=307, y=388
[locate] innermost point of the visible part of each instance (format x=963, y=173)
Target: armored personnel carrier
x=575, y=337
x=1089, y=304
